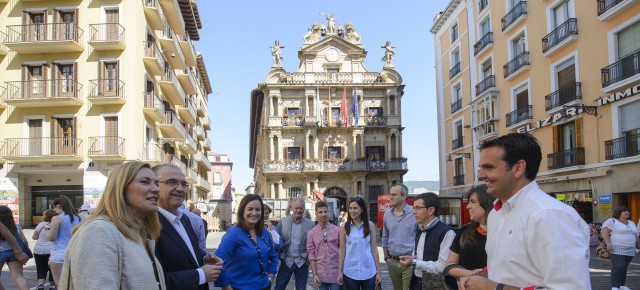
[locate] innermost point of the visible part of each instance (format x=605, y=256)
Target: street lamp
x=173, y=52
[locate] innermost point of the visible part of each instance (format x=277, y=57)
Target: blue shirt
x=395, y=231
x=358, y=260
x=241, y=267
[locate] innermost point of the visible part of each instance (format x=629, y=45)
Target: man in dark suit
x=184, y=265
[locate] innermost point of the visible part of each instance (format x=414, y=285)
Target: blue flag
x=354, y=107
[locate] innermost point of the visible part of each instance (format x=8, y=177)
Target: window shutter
x=285, y=156
x=556, y=142
x=630, y=117
x=629, y=40
x=579, y=132
x=301, y=153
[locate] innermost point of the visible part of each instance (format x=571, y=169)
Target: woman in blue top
x=247, y=250
x=358, y=264
x=59, y=232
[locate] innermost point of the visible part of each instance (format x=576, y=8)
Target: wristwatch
x=499, y=286
x=414, y=262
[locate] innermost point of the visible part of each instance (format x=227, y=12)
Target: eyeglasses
x=324, y=237
x=175, y=183
x=419, y=207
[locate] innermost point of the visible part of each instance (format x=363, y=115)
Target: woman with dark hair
x=358, y=264
x=621, y=235
x=42, y=250
x=59, y=232
x=248, y=252
x=468, y=256
x=6, y=254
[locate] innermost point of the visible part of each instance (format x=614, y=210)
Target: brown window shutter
x=556, y=135
x=284, y=153
x=100, y=70
x=579, y=132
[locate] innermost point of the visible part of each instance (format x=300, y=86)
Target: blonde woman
x=113, y=248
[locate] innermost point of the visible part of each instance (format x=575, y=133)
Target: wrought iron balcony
x=521, y=60
x=605, y=5
x=42, y=148
x=335, y=122
x=516, y=12
x=172, y=127
x=455, y=70
x=483, y=42
x=106, y=91
x=563, y=96
x=153, y=106
x=484, y=85
x=456, y=105
x=376, y=121
x=458, y=179
x=106, y=147
x=571, y=157
x=334, y=165
x=45, y=38
x=627, y=67
x=152, y=153
x=153, y=13
x=331, y=78
x=519, y=115
x=457, y=143
x=153, y=58
x=626, y=146
x=482, y=4
x=292, y=121
x=56, y=92
x=562, y=32
x=107, y=36
x=487, y=128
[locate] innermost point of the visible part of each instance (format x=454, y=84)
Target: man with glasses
x=323, y=244
x=431, y=243
x=293, y=255
x=398, y=225
x=185, y=266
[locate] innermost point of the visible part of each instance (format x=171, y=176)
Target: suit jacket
x=176, y=259
x=284, y=228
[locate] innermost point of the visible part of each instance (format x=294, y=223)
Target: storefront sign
x=568, y=112
x=619, y=95
x=560, y=197
x=94, y=183
x=604, y=198
x=30, y=167
x=9, y=196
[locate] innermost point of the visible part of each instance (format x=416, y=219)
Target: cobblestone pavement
x=600, y=269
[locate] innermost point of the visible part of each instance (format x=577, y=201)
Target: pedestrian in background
x=275, y=236
x=323, y=246
x=59, y=232
x=84, y=211
x=197, y=224
x=196, y=211
x=397, y=226
x=468, y=256
x=42, y=250
x=6, y=254
x=358, y=264
x=620, y=234
x=113, y=248
x=248, y=250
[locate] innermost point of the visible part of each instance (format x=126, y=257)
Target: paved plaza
x=600, y=269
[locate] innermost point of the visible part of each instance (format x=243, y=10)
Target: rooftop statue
x=388, y=54
x=275, y=53
x=313, y=34
x=331, y=22
x=350, y=34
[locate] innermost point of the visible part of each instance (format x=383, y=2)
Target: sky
x=235, y=41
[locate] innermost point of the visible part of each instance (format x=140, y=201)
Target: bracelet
x=446, y=270
x=500, y=286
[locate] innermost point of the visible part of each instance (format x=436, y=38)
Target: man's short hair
x=267, y=208
x=518, y=146
x=403, y=188
x=429, y=199
x=320, y=204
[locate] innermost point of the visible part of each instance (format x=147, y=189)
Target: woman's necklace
x=255, y=244
x=482, y=231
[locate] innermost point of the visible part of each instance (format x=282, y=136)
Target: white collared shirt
x=536, y=240
x=177, y=225
x=435, y=267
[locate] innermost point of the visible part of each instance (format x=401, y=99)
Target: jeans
x=329, y=286
x=350, y=284
x=284, y=275
x=619, y=265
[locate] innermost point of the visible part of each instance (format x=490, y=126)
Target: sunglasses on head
x=356, y=198
x=324, y=237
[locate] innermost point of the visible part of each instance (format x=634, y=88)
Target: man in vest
x=432, y=241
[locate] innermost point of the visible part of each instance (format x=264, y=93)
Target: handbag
x=601, y=251
x=432, y=281
x=24, y=247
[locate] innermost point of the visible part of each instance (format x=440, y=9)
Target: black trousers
x=42, y=266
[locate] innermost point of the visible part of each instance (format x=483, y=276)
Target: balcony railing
x=485, y=129
x=605, y=5
x=43, y=146
x=106, y=145
x=625, y=68
x=375, y=121
x=483, y=42
x=458, y=179
x=455, y=70
x=571, y=157
x=457, y=143
x=334, y=166
x=482, y=4
x=562, y=32
x=516, y=12
x=335, y=122
x=520, y=114
x=521, y=60
x=626, y=146
x=152, y=152
x=484, y=85
x=332, y=78
x=563, y=96
x=44, y=32
x=42, y=89
x=106, y=88
x=293, y=121
x=456, y=105
x=175, y=161
x=107, y=32
x=172, y=119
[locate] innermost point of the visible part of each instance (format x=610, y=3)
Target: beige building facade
x=566, y=71
x=220, y=199
x=332, y=128
x=88, y=85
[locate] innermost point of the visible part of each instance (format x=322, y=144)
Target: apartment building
x=220, y=198
x=88, y=85
x=570, y=77
x=330, y=129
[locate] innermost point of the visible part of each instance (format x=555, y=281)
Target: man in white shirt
x=432, y=241
x=533, y=240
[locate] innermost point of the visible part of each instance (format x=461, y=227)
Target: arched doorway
x=337, y=200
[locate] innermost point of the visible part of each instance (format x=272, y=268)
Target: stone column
x=355, y=188
x=280, y=157
x=271, y=151
x=282, y=194
x=315, y=148
x=271, y=109
x=354, y=153
x=309, y=194
x=306, y=105
x=272, y=194
x=306, y=146
x=388, y=146
x=398, y=145
x=279, y=108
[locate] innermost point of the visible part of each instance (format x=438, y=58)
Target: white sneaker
x=615, y=288
x=624, y=288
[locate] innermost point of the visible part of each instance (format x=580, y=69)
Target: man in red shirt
x=323, y=244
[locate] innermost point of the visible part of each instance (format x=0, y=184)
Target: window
x=487, y=69
x=217, y=177
x=294, y=111
x=293, y=153
x=630, y=127
x=485, y=27
x=334, y=152
x=294, y=191
x=374, y=192
x=455, y=57
x=457, y=135
x=561, y=13
x=35, y=136
x=456, y=93
x=629, y=40
x=458, y=178
x=566, y=75
x=454, y=32
x=375, y=152
x=374, y=111
x=518, y=45
x=521, y=97
x=483, y=114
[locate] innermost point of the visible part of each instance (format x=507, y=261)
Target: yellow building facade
x=566, y=71
x=88, y=85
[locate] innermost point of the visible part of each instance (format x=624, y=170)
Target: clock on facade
x=332, y=54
